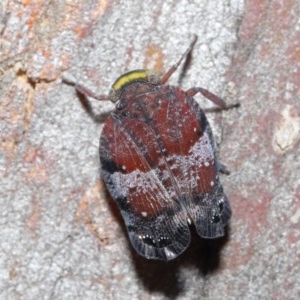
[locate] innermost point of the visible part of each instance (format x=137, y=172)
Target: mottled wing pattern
x=156, y=224
x=187, y=137
x=159, y=165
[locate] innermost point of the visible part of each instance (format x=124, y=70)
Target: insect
x=159, y=162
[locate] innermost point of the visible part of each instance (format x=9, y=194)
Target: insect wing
x=130, y=158
x=185, y=136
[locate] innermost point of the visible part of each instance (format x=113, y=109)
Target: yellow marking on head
x=130, y=77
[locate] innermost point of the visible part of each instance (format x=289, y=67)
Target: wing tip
x=160, y=246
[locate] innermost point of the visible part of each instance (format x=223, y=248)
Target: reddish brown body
x=158, y=162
